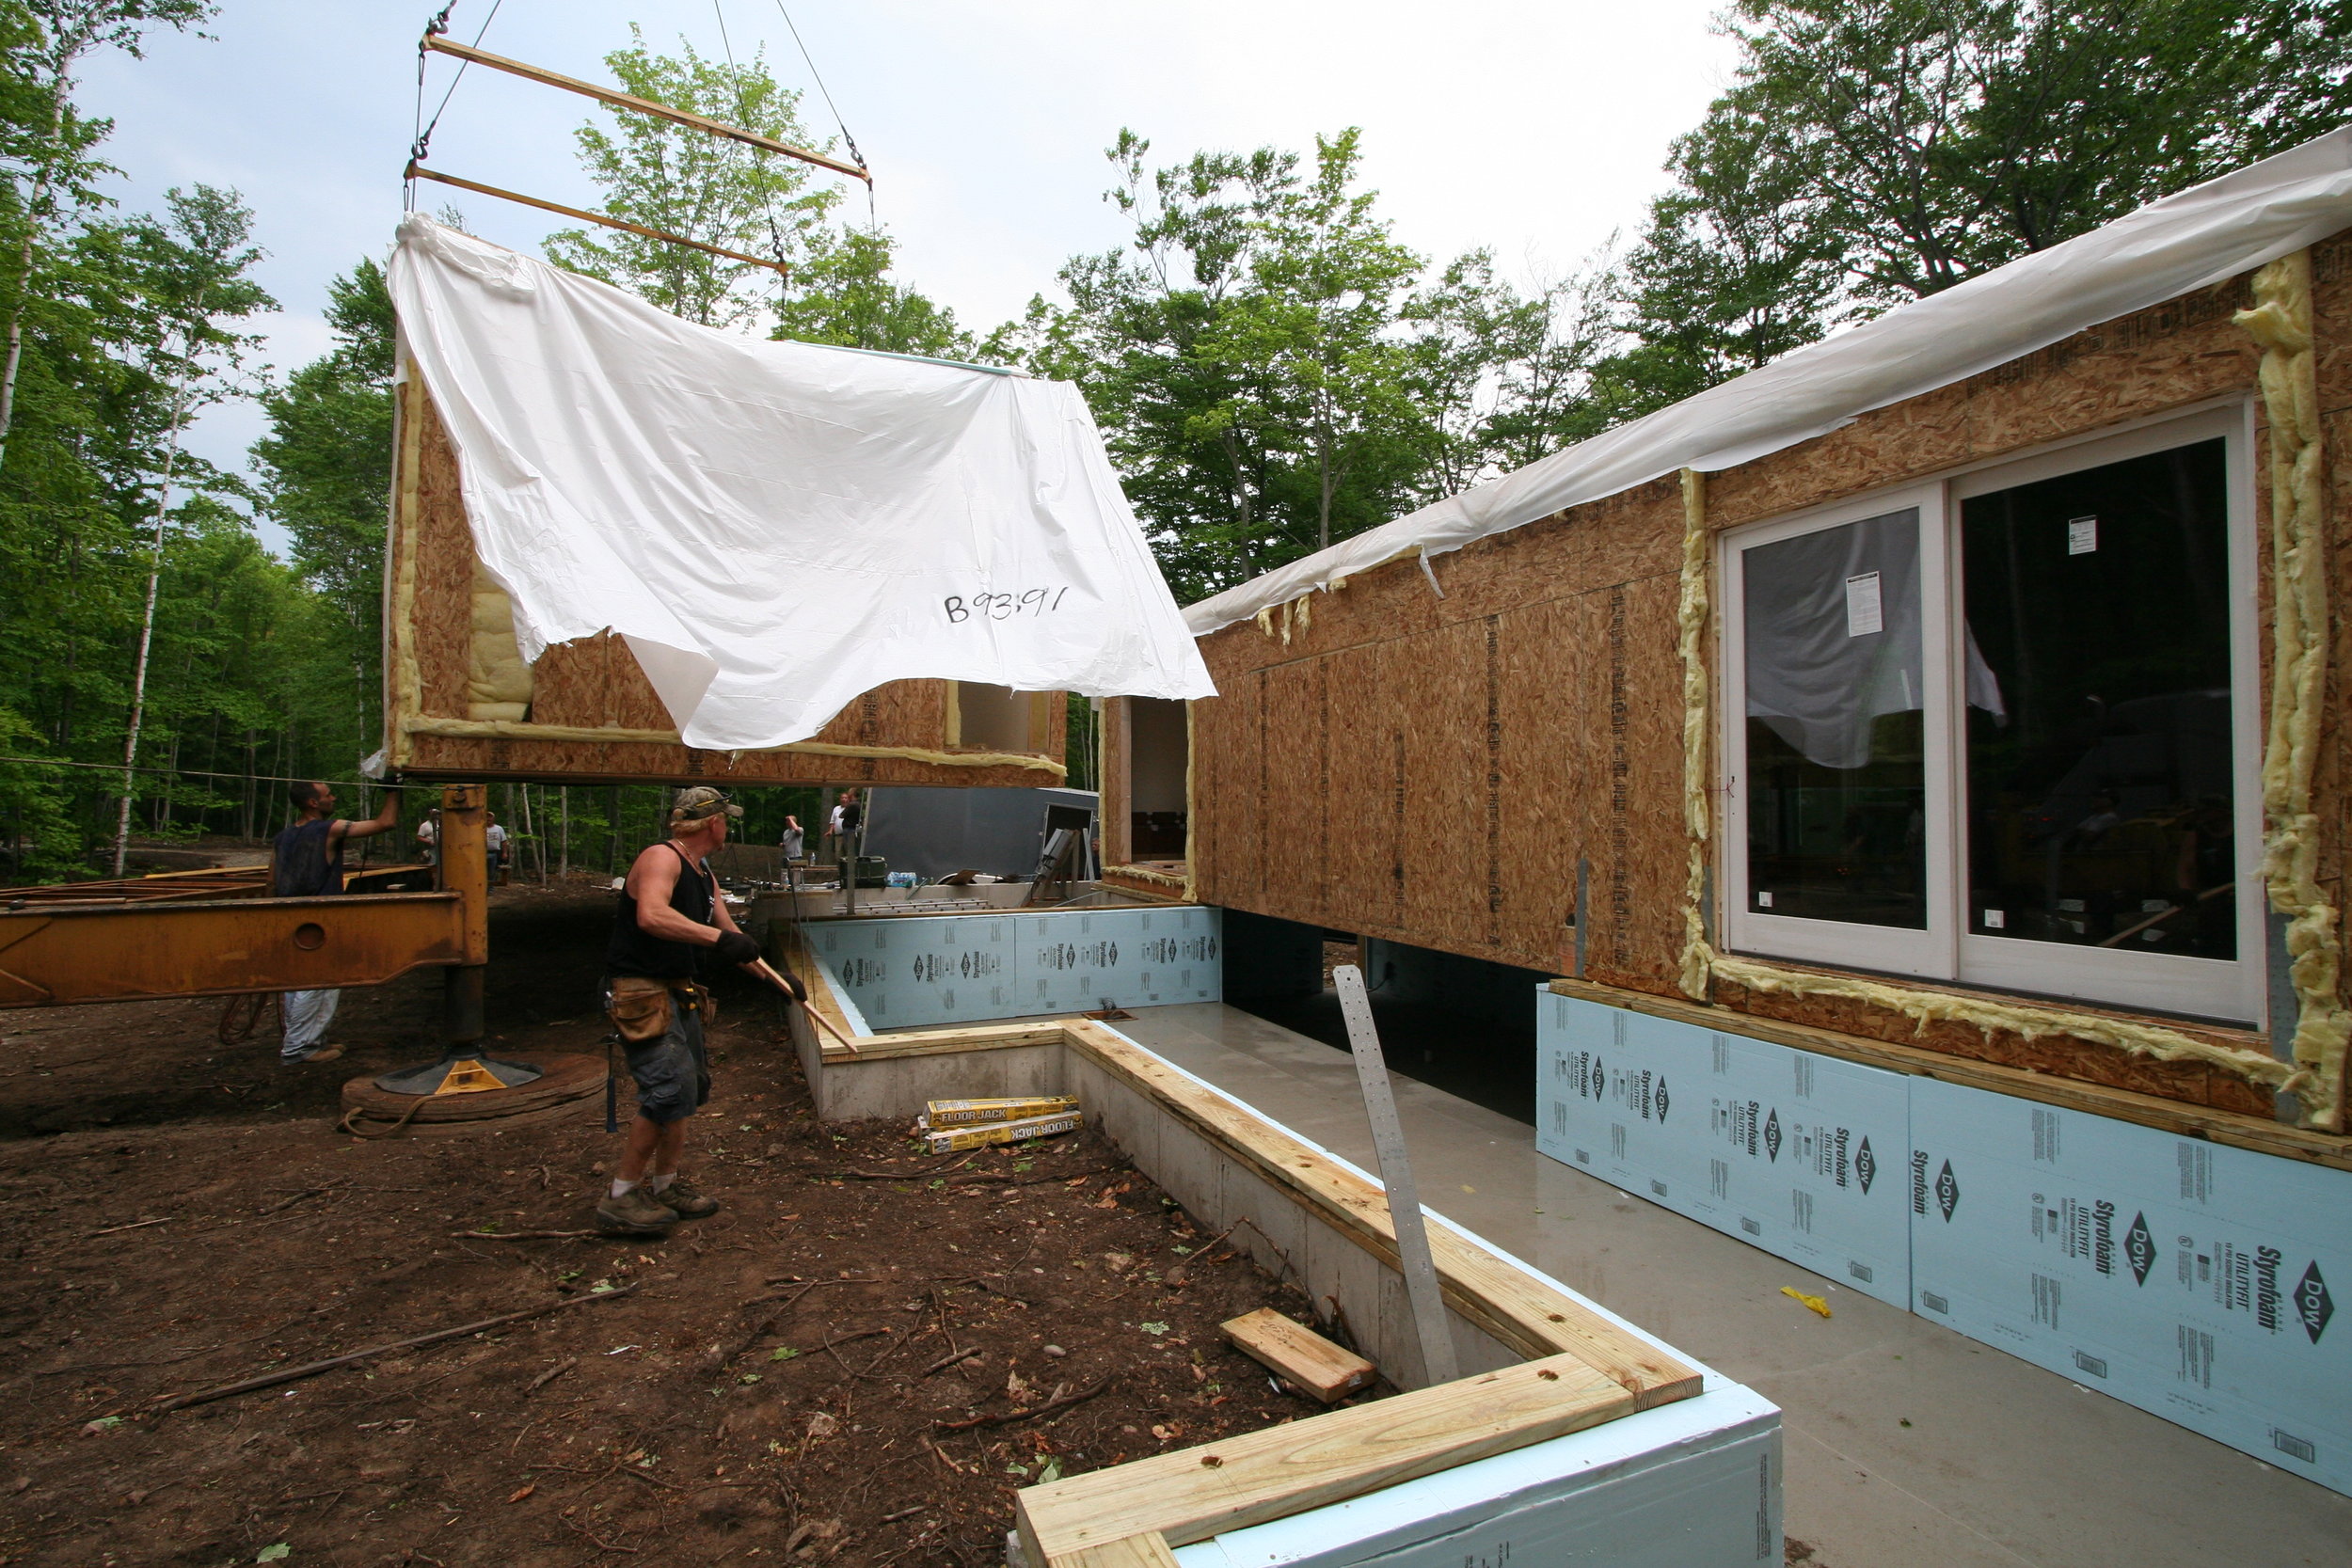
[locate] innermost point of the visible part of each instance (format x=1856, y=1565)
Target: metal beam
x=61, y=955
x=442, y=45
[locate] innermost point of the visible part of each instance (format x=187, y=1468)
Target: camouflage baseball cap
x=693, y=804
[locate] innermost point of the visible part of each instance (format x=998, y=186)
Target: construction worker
x=670, y=926
x=307, y=860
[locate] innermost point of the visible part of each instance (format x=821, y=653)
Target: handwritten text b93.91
x=1002, y=607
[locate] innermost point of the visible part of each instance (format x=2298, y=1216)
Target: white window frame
x=1892, y=950
x=1946, y=949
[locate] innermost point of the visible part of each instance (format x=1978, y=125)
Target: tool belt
x=640, y=1004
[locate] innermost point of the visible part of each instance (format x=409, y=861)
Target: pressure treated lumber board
x=1196, y=1493
x=2148, y=1110
x=1299, y=1355
x=1135, y=1551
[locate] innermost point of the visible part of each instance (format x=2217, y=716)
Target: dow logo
x=1946, y=1191
x=1865, y=1165
x=1772, y=1135
x=2139, y=1248
x=2312, y=1302
x=1657, y=1098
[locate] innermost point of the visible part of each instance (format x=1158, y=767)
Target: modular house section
x=915, y=971
x=1795, y=1153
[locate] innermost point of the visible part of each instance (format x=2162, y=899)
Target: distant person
x=670, y=926
x=794, y=841
x=841, y=829
x=429, y=837
x=495, y=837
x=307, y=861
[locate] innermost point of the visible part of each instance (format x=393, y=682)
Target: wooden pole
x=1422, y=1298
x=443, y=45
x=418, y=171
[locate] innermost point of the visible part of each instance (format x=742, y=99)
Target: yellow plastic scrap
x=1814, y=1302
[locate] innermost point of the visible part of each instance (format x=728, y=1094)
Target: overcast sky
x=1537, y=129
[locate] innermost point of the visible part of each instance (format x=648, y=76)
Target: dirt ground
x=776, y=1383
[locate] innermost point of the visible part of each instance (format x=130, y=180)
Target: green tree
x=1274, y=371
x=197, y=286
x=695, y=186
x=325, y=476
x=842, y=293
x=1874, y=152
x=45, y=145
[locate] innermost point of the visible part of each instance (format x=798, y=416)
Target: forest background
x=1274, y=368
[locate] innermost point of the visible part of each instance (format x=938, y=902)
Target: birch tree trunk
x=146, y=627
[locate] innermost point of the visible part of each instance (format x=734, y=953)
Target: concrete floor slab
x=1908, y=1446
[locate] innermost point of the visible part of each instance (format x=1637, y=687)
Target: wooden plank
x=1396, y=1176
x=1135, y=1551
x=970, y=1036
x=442, y=44
x=418, y=171
x=1502, y=1301
x=1196, y=1493
x=1299, y=1355
x=2147, y=1110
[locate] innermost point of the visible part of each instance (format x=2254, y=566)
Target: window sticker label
x=2082, y=535
x=1865, y=612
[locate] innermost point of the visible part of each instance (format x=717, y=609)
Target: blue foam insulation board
x=1799, y=1154
x=913, y=972
x=2194, y=1280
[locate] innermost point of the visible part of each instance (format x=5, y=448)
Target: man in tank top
x=306, y=861
x=670, y=928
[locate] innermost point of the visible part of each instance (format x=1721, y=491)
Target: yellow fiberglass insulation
x=497, y=681
x=2280, y=322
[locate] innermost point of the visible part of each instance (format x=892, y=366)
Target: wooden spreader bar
x=418, y=171
x=619, y=100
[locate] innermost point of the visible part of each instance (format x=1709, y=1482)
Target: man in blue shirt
x=306, y=861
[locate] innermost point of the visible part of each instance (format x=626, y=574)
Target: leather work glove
x=735, y=948
x=791, y=985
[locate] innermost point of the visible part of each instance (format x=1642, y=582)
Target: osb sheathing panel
x=2332, y=312
x=2178, y=353
x=596, y=682
x=442, y=627
x=1118, y=846
x=1439, y=683
x=1227, y=825
x=1297, y=725
x=1570, y=621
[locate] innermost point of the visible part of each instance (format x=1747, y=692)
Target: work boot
x=637, y=1212
x=690, y=1204
x=317, y=1053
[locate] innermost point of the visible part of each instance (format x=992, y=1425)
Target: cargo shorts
x=661, y=1025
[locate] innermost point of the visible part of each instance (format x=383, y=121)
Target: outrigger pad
x=458, y=1075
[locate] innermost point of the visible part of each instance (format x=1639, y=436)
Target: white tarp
x=777, y=526
x=2184, y=243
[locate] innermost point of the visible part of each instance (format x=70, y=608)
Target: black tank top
x=307, y=865
x=634, y=950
